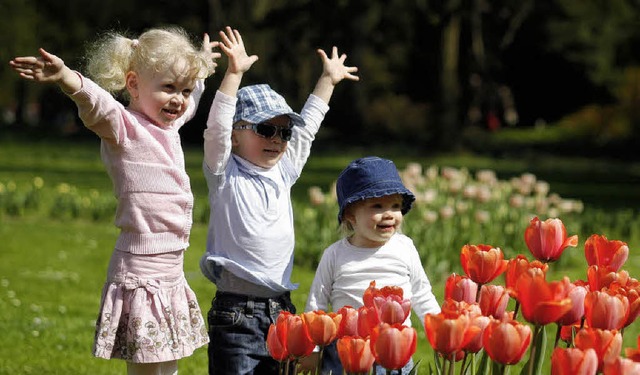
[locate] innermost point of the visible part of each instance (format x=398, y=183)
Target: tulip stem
x=515, y=310
x=558, y=333
x=319, y=363
x=464, y=361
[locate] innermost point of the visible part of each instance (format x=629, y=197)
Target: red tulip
x=323, y=327
x=606, y=343
x=576, y=292
x=506, y=340
x=568, y=332
x=372, y=291
x=573, y=361
x=367, y=319
x=393, y=345
x=449, y=335
x=349, y=323
x=542, y=302
x=276, y=339
x=493, y=300
x=392, y=309
x=475, y=344
x=606, y=310
x=460, y=288
x=519, y=265
x=621, y=366
x=602, y=252
x=355, y=354
x=547, y=240
x=298, y=342
x=634, y=353
x=482, y=263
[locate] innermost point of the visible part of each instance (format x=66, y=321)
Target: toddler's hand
x=207, y=47
x=335, y=69
x=44, y=68
x=233, y=46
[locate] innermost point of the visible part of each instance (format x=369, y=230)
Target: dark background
x=435, y=75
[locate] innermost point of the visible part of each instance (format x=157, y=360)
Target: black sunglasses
x=268, y=130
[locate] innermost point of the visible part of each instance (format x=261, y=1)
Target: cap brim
x=256, y=118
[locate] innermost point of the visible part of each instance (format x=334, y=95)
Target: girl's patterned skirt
x=148, y=311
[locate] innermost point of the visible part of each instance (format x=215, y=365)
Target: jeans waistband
x=236, y=297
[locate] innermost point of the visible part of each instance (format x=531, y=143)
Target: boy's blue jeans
x=238, y=327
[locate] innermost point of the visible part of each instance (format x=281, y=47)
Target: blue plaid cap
x=370, y=177
x=259, y=103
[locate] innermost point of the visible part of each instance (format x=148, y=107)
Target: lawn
x=52, y=269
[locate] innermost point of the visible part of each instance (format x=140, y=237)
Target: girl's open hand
x=44, y=68
x=334, y=67
x=207, y=47
x=233, y=46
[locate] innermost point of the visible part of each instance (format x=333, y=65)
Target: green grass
x=52, y=271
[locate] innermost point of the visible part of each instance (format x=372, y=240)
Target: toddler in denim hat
x=255, y=147
x=372, y=203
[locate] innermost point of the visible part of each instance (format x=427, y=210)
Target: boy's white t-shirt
x=345, y=272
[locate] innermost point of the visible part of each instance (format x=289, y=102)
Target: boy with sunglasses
x=255, y=147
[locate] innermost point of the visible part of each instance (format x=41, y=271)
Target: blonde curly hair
x=113, y=55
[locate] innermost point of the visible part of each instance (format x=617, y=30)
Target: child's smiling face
x=161, y=96
x=374, y=220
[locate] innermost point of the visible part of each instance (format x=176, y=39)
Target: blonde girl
x=149, y=316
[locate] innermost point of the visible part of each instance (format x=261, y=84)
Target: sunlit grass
x=56, y=210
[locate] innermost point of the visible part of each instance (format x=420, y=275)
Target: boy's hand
x=334, y=67
x=207, y=47
x=44, y=68
x=233, y=46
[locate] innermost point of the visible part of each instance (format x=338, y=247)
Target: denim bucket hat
x=370, y=177
x=259, y=103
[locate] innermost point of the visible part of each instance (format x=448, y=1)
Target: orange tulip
x=298, y=341
x=519, y=265
x=355, y=354
x=606, y=310
x=602, y=277
x=392, y=309
x=493, y=300
x=349, y=323
x=621, y=366
x=602, y=252
x=452, y=309
x=323, y=327
x=393, y=345
x=606, y=343
x=573, y=361
x=542, y=302
x=632, y=292
x=276, y=340
x=547, y=239
x=577, y=291
x=506, y=340
x=449, y=335
x=482, y=263
x=460, y=288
